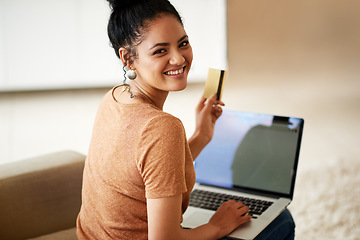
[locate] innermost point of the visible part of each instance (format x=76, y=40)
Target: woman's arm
x=207, y=112
x=164, y=218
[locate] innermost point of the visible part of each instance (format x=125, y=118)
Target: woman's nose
x=177, y=58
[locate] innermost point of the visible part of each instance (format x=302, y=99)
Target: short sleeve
x=162, y=157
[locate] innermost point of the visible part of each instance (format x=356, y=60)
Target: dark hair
x=129, y=19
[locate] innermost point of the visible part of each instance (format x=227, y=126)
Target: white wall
x=47, y=44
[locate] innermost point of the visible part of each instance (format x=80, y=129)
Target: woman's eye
x=184, y=44
x=160, y=51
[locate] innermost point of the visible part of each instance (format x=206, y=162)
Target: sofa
x=40, y=197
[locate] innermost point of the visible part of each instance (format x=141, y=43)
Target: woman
x=139, y=172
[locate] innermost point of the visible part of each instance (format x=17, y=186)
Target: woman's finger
x=201, y=104
x=211, y=101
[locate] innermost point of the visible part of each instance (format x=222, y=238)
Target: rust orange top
x=137, y=151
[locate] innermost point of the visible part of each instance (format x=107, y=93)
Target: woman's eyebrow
x=159, y=44
x=167, y=44
x=182, y=38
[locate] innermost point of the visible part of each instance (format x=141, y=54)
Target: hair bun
x=117, y=4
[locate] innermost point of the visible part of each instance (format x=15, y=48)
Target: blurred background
x=299, y=58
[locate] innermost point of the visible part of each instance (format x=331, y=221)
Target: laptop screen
x=252, y=151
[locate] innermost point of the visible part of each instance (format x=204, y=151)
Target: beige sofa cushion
x=69, y=234
x=40, y=195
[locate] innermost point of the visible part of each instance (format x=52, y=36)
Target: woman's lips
x=175, y=72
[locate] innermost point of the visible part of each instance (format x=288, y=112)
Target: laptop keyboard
x=212, y=201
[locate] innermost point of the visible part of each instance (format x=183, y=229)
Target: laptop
x=253, y=158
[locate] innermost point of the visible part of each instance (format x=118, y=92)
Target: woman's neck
x=157, y=97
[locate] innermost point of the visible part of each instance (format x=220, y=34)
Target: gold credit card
x=214, y=83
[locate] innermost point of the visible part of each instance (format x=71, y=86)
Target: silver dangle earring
x=131, y=74
x=125, y=78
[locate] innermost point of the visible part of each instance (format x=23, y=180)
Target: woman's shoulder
x=146, y=114
x=163, y=120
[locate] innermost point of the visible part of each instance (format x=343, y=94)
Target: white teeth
x=176, y=72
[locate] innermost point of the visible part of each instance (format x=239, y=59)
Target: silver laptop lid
x=252, y=152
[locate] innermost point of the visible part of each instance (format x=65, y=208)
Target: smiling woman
x=139, y=172
x=162, y=60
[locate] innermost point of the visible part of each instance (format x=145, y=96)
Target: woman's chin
x=178, y=84
x=181, y=86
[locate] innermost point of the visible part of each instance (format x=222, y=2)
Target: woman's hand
x=207, y=112
x=229, y=216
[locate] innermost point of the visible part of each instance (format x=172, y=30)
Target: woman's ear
x=124, y=56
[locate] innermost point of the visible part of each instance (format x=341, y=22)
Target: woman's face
x=164, y=56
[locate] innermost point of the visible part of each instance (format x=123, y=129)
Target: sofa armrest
x=40, y=195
